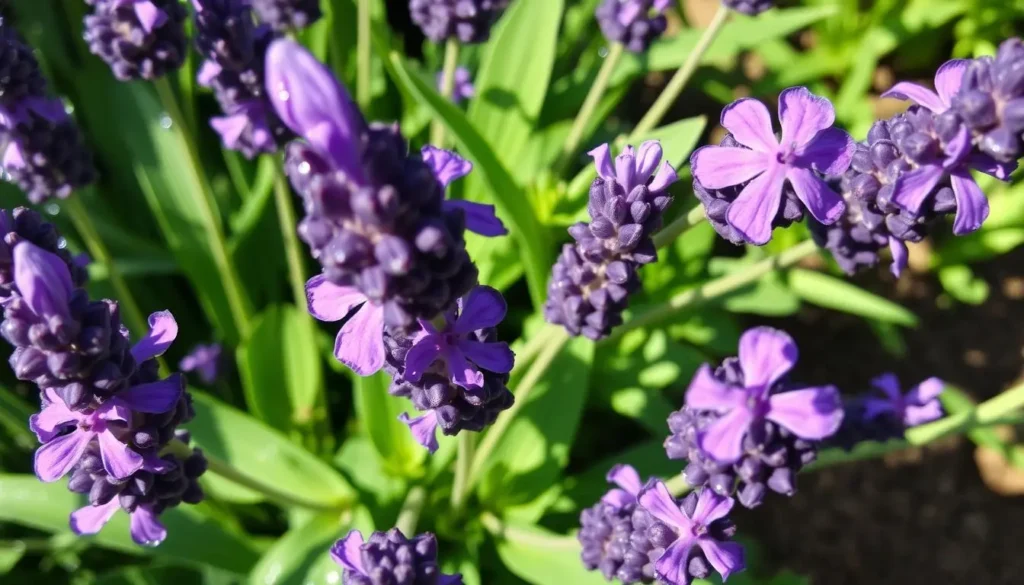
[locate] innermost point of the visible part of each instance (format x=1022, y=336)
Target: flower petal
x=494, y=357
x=926, y=391
x=155, y=397
x=360, y=343
x=766, y=355
x=919, y=415
x=626, y=477
x=656, y=499
x=948, y=79
x=618, y=499
x=811, y=413
x=55, y=459
x=707, y=393
x=423, y=429
x=92, y=519
x=454, y=579
x=208, y=71
x=750, y=124
x=647, y=158
x=889, y=384
x=447, y=165
x=163, y=330
x=421, y=355
x=348, y=553
x=603, y=162
x=803, y=115
x=918, y=94
x=483, y=307
x=665, y=177
x=461, y=372
x=829, y=153
x=672, y=566
x=725, y=556
x=900, y=256
x=913, y=187
x=52, y=419
x=825, y=205
x=119, y=460
x=42, y=279
x=718, y=167
x=481, y=218
x=723, y=439
x=875, y=407
x=753, y=211
x=711, y=507
x=971, y=204
x=327, y=301
x=146, y=528
x=986, y=164
x=149, y=15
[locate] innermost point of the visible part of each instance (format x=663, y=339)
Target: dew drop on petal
x=305, y=168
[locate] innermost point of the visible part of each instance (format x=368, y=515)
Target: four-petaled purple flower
x=919, y=406
x=449, y=167
x=765, y=356
x=691, y=528
x=957, y=158
x=809, y=144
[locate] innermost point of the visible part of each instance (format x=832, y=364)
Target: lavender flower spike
x=284, y=15
x=765, y=356
x=920, y=405
x=691, y=535
x=139, y=39
x=390, y=557
x=751, y=7
x=448, y=166
x=991, y=101
x=469, y=21
x=633, y=23
x=809, y=145
x=613, y=532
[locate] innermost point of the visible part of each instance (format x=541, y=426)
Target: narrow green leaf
x=832, y=293
x=292, y=555
x=513, y=207
x=378, y=412
x=10, y=554
x=282, y=379
x=193, y=538
x=253, y=448
x=543, y=558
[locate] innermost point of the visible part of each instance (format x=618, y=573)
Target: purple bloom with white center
x=285, y=15
x=448, y=167
x=633, y=23
x=611, y=540
x=463, y=88
x=205, y=360
x=955, y=160
x=688, y=530
x=991, y=101
x=809, y=145
x=766, y=355
x=139, y=39
x=390, y=557
x=918, y=406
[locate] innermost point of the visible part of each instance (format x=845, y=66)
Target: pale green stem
x=590, y=103
x=534, y=345
x=675, y=86
x=409, y=515
x=714, y=289
x=292, y=249
x=364, y=92
x=669, y=233
x=238, y=299
x=463, y=461
x=451, y=63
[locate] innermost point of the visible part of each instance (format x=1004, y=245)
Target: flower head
x=285, y=15
x=751, y=7
x=468, y=21
x=390, y=557
x=809, y=145
x=611, y=541
x=139, y=39
x=918, y=406
x=991, y=101
x=633, y=23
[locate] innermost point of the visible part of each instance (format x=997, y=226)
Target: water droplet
x=304, y=168
x=334, y=577
x=62, y=243
x=69, y=108
x=283, y=95
x=165, y=121
x=603, y=52
x=52, y=209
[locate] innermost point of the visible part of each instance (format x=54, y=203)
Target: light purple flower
x=628, y=480
x=146, y=528
x=448, y=167
x=766, y=355
x=809, y=144
x=913, y=187
x=204, y=360
x=635, y=167
x=671, y=567
x=423, y=429
x=462, y=89
x=920, y=405
x=43, y=280
x=360, y=343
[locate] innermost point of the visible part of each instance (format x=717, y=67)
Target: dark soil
x=920, y=517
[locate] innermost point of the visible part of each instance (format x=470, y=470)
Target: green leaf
x=255, y=449
x=513, y=207
x=193, y=538
x=768, y=296
x=513, y=79
x=531, y=454
x=148, y=575
x=378, y=412
x=960, y=282
x=282, y=379
x=292, y=555
x=544, y=558
x=10, y=554
x=832, y=293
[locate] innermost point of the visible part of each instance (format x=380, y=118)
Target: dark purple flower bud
x=984, y=101
x=20, y=77
x=751, y=7
x=390, y=557
x=468, y=21
x=139, y=39
x=632, y=23
x=288, y=15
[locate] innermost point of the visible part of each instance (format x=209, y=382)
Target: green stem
x=451, y=63
x=579, y=125
x=409, y=515
x=675, y=86
x=714, y=289
x=669, y=233
x=364, y=92
x=463, y=461
x=238, y=299
x=523, y=389
x=226, y=471
x=98, y=250
x=292, y=249
x=536, y=343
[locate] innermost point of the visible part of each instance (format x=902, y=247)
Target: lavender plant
x=513, y=321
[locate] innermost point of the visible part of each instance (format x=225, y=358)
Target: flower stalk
x=597, y=91
x=451, y=63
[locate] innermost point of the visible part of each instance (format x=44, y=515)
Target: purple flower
x=390, y=557
x=360, y=342
x=690, y=531
x=766, y=355
x=991, y=101
x=205, y=360
x=146, y=528
x=286, y=15
x=448, y=166
x=44, y=282
x=956, y=159
x=809, y=144
x=469, y=21
x=629, y=486
x=633, y=23
x=613, y=532
x=920, y=405
x=139, y=39
x=462, y=89
x=751, y=7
